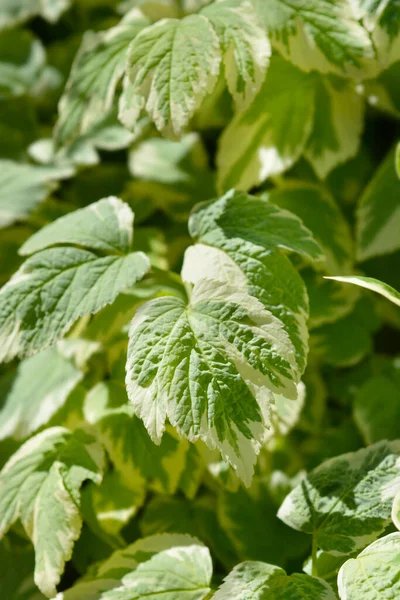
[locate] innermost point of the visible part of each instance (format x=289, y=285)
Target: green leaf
x=327, y=566
x=22, y=63
x=13, y=12
x=105, y=225
x=23, y=187
x=41, y=386
x=95, y=74
x=185, y=361
x=249, y=230
x=173, y=175
x=40, y=485
x=107, y=508
x=326, y=341
x=329, y=301
x=238, y=216
x=258, y=580
x=212, y=365
x=18, y=126
x=382, y=21
x=245, y=513
x=11, y=240
x=320, y=213
x=32, y=318
x=108, y=574
x=156, y=9
x=338, y=124
x=346, y=502
x=372, y=284
x=181, y=573
x=381, y=389
x=285, y=414
x=170, y=514
x=319, y=34
x=193, y=473
x=273, y=130
x=374, y=423
x=397, y=163
x=382, y=93
x=172, y=65
x=374, y=574
x=131, y=451
x=245, y=46
x=378, y=223
x=396, y=511
x=16, y=568
x=56, y=286
x=314, y=408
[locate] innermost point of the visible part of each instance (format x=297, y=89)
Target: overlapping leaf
x=320, y=34
x=382, y=20
x=376, y=406
x=338, y=124
x=171, y=67
x=273, y=131
x=319, y=212
x=346, y=502
x=244, y=513
x=108, y=574
x=173, y=176
x=329, y=301
x=326, y=341
x=23, y=187
x=57, y=285
x=41, y=386
x=244, y=45
x=138, y=460
x=23, y=64
x=96, y=72
x=13, y=12
x=374, y=574
x=258, y=580
x=378, y=223
x=175, y=63
x=211, y=366
x=181, y=573
x=40, y=485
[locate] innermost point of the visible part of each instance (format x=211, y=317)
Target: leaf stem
x=314, y=548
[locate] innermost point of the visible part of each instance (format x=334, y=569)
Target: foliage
x=199, y=392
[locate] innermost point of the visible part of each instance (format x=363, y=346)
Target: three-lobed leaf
x=171, y=67
x=212, y=365
x=174, y=64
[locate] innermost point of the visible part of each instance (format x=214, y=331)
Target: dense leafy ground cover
x=199, y=322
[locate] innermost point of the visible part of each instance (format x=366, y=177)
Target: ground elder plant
x=199, y=300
